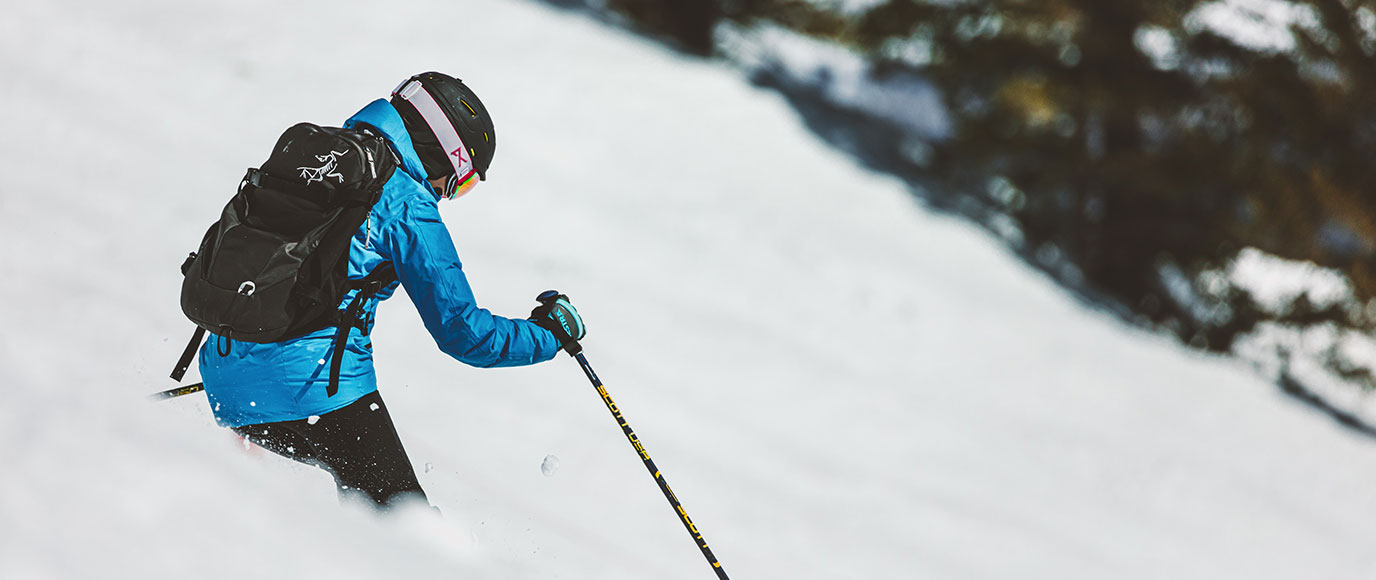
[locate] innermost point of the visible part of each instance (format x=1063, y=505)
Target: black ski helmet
x=465, y=114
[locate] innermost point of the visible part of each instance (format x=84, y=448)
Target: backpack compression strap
x=263, y=180
x=352, y=317
x=180, y=370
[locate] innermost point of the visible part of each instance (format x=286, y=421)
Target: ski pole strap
x=180, y=370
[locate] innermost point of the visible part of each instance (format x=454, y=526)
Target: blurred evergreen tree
x=1307, y=135
x=1137, y=149
x=1131, y=142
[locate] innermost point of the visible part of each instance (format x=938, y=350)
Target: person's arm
x=429, y=269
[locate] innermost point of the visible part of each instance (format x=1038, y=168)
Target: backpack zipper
x=372, y=167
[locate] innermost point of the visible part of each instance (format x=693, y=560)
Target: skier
x=276, y=394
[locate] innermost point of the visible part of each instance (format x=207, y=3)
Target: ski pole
x=177, y=392
x=575, y=350
x=650, y=464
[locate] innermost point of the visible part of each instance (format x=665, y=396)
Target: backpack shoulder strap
x=352, y=317
x=381, y=277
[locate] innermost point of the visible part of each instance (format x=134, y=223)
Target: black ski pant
x=357, y=444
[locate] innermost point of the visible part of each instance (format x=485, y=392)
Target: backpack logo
x=329, y=169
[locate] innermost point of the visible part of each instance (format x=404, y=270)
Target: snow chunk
x=373, y=407
x=549, y=465
x=311, y=420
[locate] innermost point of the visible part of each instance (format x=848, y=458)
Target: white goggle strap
x=412, y=91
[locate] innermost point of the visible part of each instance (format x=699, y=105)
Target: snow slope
x=836, y=382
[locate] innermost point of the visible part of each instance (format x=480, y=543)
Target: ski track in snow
x=836, y=383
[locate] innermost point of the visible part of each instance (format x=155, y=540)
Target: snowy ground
x=837, y=383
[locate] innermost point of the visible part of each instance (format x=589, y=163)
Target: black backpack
x=275, y=266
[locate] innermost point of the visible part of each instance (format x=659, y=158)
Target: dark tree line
x=1138, y=139
x=1129, y=141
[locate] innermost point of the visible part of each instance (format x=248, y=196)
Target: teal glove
x=557, y=315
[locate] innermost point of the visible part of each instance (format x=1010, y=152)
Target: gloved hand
x=557, y=315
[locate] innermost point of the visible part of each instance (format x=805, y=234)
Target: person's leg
x=360, y=446
x=357, y=444
x=280, y=438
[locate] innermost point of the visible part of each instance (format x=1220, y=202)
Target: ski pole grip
x=548, y=298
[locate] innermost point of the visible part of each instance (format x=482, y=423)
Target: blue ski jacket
x=284, y=381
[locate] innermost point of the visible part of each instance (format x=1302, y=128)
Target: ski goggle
x=455, y=187
x=465, y=173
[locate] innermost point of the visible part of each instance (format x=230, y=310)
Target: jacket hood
x=383, y=116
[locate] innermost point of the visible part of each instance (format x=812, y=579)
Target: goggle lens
x=455, y=187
